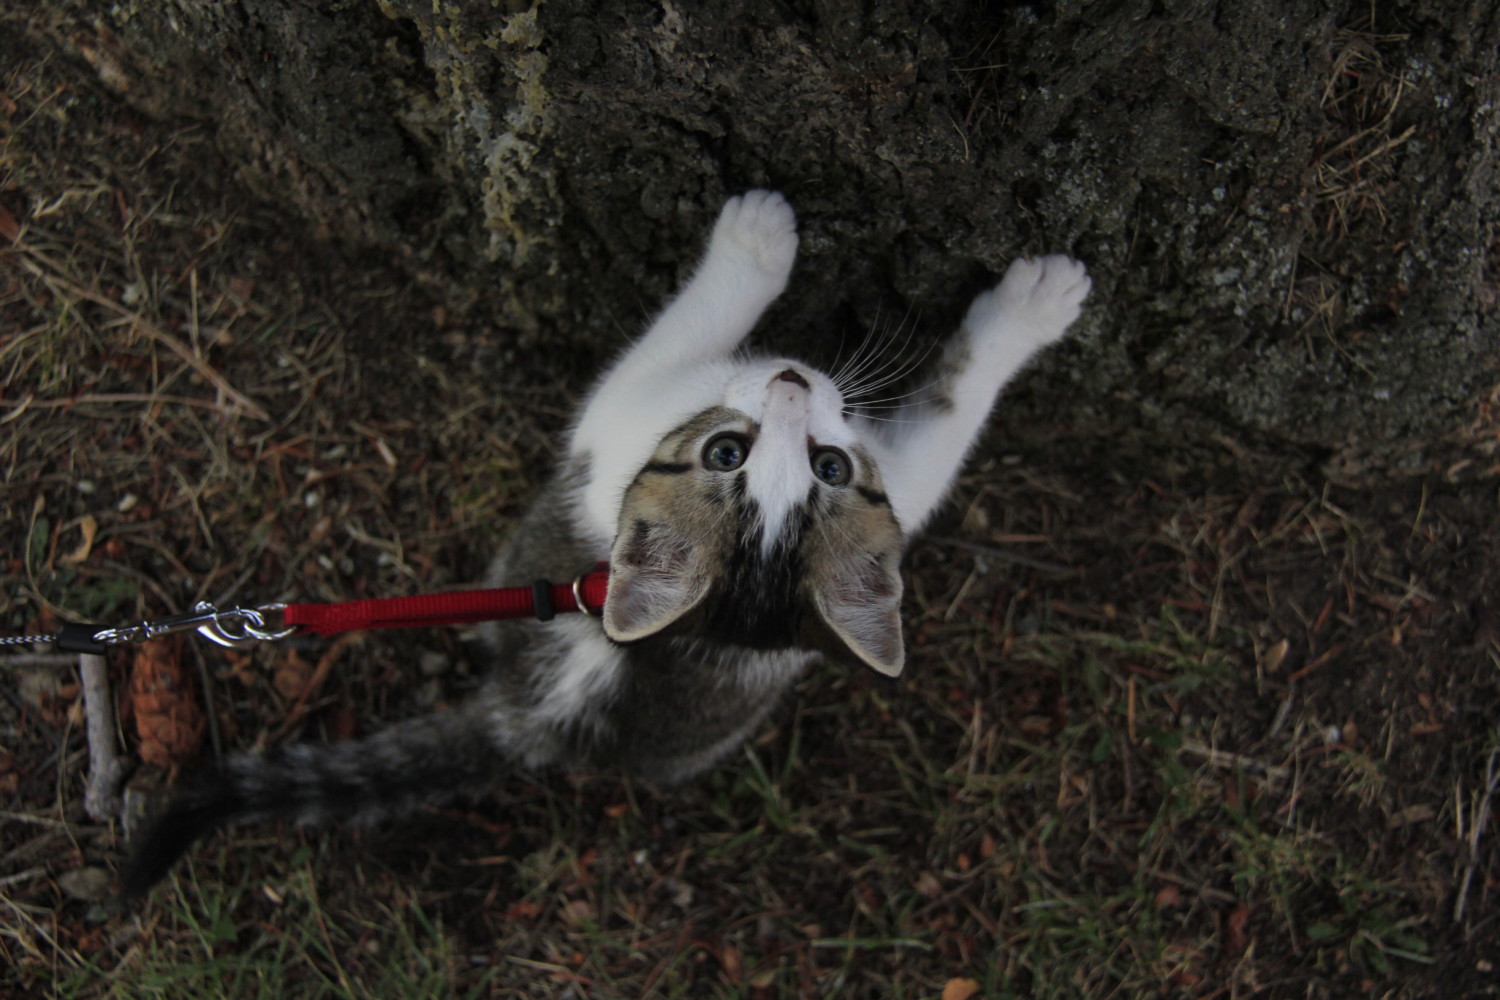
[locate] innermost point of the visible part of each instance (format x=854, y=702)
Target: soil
x=1176, y=639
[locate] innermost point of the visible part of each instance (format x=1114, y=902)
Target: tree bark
x=1288, y=210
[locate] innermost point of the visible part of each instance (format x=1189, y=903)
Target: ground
x=1171, y=725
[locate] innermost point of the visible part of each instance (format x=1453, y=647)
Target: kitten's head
x=762, y=522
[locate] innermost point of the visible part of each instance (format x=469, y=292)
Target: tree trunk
x=1287, y=209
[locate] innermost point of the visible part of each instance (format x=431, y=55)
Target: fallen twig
x=36, y=659
x=101, y=796
x=1233, y=761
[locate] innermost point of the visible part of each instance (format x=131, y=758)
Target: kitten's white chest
x=584, y=674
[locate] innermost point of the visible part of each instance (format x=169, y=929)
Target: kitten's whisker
x=872, y=372
x=915, y=411
x=838, y=372
x=921, y=390
x=905, y=373
x=895, y=368
x=866, y=352
x=869, y=358
x=881, y=361
x=901, y=414
x=876, y=378
x=897, y=378
x=885, y=420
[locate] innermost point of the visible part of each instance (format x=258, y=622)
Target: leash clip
x=232, y=627
x=583, y=605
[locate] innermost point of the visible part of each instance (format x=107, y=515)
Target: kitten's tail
x=423, y=761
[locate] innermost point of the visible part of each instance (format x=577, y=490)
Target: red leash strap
x=540, y=600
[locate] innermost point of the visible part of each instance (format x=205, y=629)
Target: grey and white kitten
x=752, y=519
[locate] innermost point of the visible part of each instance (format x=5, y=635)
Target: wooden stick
x=101, y=796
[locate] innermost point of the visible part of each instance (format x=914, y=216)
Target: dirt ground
x=1172, y=725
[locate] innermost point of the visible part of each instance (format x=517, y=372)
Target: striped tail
x=423, y=761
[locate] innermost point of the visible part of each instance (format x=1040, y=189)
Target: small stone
x=681, y=892
x=89, y=884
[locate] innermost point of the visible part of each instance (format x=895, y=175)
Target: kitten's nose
x=791, y=376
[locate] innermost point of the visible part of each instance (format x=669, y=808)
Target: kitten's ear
x=656, y=575
x=861, y=603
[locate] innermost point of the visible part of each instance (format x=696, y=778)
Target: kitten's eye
x=832, y=466
x=725, y=453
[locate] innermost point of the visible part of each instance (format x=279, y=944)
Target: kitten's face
x=765, y=518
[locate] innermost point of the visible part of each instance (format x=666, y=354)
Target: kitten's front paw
x=1042, y=296
x=757, y=229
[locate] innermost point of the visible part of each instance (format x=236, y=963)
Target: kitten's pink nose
x=791, y=376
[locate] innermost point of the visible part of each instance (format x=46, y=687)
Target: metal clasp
x=233, y=627
x=578, y=593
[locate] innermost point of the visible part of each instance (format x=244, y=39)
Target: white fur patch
x=777, y=476
x=585, y=675
x=778, y=473
x=623, y=424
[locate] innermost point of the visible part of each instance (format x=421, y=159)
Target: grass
x=195, y=947
x=1223, y=733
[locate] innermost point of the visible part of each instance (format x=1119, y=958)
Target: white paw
x=757, y=229
x=1042, y=297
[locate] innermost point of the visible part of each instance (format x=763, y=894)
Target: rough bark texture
x=1288, y=210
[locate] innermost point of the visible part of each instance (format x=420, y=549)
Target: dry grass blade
x=54, y=274
x=1362, y=98
x=1478, y=821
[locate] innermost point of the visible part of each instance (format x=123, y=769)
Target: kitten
x=753, y=519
